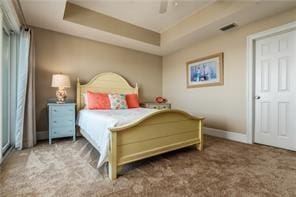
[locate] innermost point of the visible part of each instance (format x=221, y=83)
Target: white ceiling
x=145, y=13
x=48, y=14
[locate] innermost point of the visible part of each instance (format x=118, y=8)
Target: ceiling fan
x=164, y=6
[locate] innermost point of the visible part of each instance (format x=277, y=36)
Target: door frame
x=250, y=101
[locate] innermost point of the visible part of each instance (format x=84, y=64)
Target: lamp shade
x=59, y=80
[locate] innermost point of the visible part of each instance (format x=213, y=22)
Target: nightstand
x=61, y=120
x=156, y=105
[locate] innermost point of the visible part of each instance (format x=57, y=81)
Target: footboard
x=156, y=133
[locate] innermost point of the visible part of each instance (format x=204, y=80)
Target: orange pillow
x=98, y=100
x=132, y=100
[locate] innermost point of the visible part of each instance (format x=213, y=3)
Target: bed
x=125, y=136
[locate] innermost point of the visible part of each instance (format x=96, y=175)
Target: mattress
x=96, y=124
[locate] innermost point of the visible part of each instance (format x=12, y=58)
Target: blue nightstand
x=61, y=120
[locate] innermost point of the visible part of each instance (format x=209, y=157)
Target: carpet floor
x=224, y=168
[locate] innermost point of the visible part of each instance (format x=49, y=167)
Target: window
x=9, y=29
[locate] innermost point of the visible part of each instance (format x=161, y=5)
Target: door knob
x=257, y=97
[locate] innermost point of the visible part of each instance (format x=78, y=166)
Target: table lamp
x=61, y=82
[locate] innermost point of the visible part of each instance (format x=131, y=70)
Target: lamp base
x=61, y=95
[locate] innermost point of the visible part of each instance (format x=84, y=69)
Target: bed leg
x=119, y=169
x=112, y=171
x=200, y=136
x=113, y=156
x=200, y=147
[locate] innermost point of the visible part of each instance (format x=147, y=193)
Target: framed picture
x=206, y=71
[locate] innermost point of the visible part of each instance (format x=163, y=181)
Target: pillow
x=117, y=101
x=132, y=100
x=97, y=100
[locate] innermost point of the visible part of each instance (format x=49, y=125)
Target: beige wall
x=223, y=106
x=77, y=57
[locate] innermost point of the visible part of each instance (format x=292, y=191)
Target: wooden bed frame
x=153, y=134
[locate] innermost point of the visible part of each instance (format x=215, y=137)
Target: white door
x=275, y=106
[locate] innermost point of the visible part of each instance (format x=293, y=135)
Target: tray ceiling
x=145, y=13
x=139, y=25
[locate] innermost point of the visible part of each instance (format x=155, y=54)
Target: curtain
x=25, y=132
x=29, y=134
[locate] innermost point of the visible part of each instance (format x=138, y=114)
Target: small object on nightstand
x=160, y=99
x=156, y=105
x=61, y=120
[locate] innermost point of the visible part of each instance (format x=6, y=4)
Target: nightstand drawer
x=62, y=111
x=62, y=132
x=159, y=107
x=164, y=107
x=63, y=121
x=156, y=105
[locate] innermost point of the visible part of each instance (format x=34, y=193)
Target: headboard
x=106, y=83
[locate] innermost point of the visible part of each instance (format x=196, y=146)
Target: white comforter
x=96, y=124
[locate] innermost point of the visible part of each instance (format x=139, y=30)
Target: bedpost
x=113, y=156
x=200, y=135
x=137, y=89
x=78, y=95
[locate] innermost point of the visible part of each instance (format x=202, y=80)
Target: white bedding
x=96, y=124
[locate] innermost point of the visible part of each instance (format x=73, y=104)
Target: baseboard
x=234, y=136
x=42, y=135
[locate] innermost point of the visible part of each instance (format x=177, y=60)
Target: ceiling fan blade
x=163, y=6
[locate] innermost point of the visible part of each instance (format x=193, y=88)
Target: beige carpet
x=225, y=168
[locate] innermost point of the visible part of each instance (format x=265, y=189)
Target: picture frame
x=206, y=71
